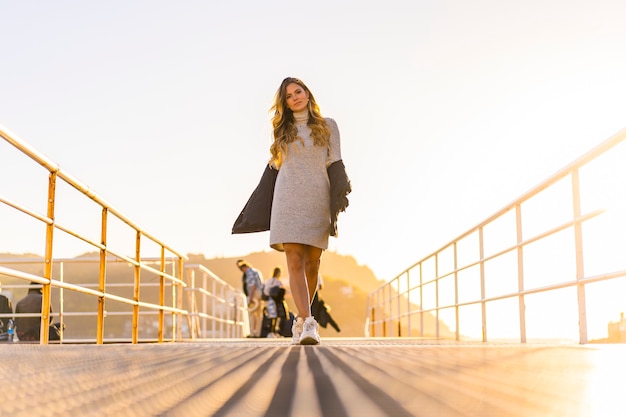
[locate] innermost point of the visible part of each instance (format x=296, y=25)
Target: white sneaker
x=310, y=334
x=296, y=329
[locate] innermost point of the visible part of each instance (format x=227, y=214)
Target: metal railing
x=212, y=308
x=508, y=258
x=151, y=257
x=218, y=309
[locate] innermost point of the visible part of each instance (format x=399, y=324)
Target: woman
x=305, y=145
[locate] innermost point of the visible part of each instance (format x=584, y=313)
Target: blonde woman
x=303, y=215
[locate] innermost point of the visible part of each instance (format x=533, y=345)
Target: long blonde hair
x=284, y=123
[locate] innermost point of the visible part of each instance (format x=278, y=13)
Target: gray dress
x=301, y=204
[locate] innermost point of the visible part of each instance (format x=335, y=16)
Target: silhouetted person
x=29, y=328
x=5, y=308
x=321, y=312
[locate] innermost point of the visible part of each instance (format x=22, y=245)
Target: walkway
x=341, y=377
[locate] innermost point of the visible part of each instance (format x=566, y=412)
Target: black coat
x=255, y=216
x=340, y=187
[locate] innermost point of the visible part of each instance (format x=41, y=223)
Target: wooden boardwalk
x=341, y=377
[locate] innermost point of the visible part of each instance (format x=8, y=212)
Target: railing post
x=135, y=334
x=373, y=307
x=191, y=275
x=223, y=312
x=398, y=297
x=580, y=266
x=421, y=301
x=483, y=304
x=383, y=310
x=375, y=314
x=46, y=292
x=235, y=314
x=179, y=301
x=457, y=334
x=102, y=277
x=161, y=295
x=213, y=308
x=372, y=314
x=388, y=312
x=61, y=299
x=204, y=304
x=520, y=273
x=437, y=295
x=408, y=303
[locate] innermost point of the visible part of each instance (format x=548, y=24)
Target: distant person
x=315, y=301
x=308, y=192
x=29, y=328
x=318, y=287
x=271, y=289
x=252, y=287
x=321, y=310
x=5, y=308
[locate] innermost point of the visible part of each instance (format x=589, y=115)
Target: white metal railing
x=508, y=258
x=217, y=309
x=152, y=263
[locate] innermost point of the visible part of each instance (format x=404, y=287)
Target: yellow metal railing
x=482, y=267
x=167, y=264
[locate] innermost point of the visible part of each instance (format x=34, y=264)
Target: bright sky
x=448, y=110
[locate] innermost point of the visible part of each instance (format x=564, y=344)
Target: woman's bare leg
x=303, y=263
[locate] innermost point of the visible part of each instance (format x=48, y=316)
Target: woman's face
x=296, y=97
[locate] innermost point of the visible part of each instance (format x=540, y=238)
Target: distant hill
x=21, y=255
x=332, y=264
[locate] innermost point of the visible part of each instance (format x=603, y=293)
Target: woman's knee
x=312, y=259
x=295, y=258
